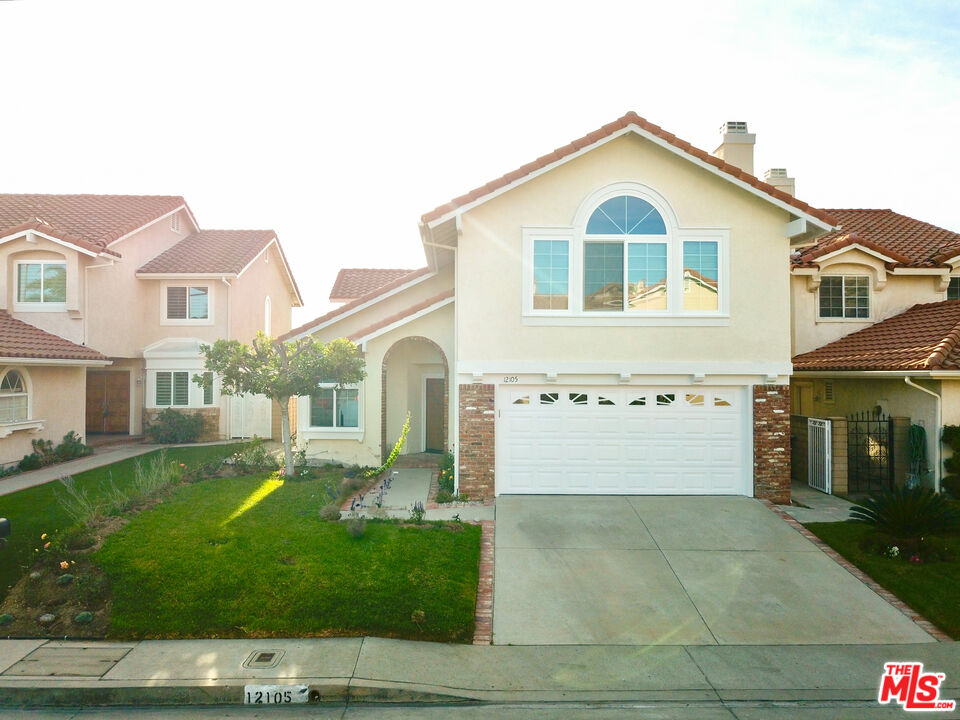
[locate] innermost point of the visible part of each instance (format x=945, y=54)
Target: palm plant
x=907, y=512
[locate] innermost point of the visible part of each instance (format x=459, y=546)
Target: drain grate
x=262, y=659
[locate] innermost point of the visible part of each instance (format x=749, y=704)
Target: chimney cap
x=775, y=173
x=734, y=127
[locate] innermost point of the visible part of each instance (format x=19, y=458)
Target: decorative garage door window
x=623, y=440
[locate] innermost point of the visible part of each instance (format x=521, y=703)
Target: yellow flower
x=43, y=537
x=64, y=564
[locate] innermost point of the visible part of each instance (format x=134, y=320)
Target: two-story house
x=613, y=317
x=104, y=303
x=876, y=324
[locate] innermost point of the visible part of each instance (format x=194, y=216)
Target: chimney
x=780, y=180
x=736, y=146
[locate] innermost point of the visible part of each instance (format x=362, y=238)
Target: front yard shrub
x=71, y=447
x=175, y=428
x=254, y=457
x=446, y=475
x=444, y=496
x=329, y=513
x=907, y=513
x=77, y=502
x=356, y=527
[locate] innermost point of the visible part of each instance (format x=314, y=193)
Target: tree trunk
x=285, y=435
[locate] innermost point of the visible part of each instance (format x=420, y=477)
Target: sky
x=339, y=124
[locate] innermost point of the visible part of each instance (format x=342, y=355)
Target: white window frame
x=844, y=276
x=194, y=391
x=306, y=431
x=209, y=320
x=30, y=422
x=41, y=306
x=576, y=237
x=267, y=319
x=946, y=293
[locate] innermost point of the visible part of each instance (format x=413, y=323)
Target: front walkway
x=108, y=456
x=815, y=506
x=674, y=571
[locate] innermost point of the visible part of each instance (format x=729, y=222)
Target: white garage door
x=612, y=440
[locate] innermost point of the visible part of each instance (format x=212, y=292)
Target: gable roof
x=907, y=241
x=352, y=283
x=217, y=252
x=90, y=222
x=354, y=305
x=647, y=129
x=210, y=251
x=402, y=314
x=22, y=340
x=925, y=337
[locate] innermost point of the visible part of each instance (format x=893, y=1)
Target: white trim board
x=656, y=140
x=363, y=306
x=362, y=341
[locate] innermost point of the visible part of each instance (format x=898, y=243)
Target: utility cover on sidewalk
x=73, y=660
x=263, y=659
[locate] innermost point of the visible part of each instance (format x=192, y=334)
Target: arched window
x=266, y=316
x=14, y=400
x=625, y=256
x=625, y=246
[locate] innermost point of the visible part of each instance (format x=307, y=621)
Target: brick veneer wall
x=477, y=428
x=771, y=443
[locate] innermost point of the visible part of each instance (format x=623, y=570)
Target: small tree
x=282, y=370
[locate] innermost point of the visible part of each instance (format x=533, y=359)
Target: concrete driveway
x=674, y=571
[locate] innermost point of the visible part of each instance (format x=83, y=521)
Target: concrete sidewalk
x=207, y=672
x=107, y=456
x=815, y=506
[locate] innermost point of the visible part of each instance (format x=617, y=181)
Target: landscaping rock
x=46, y=618
x=36, y=575
x=6, y=619
x=84, y=618
x=65, y=579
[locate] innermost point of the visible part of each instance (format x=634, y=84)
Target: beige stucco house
x=603, y=319
x=104, y=304
x=875, y=317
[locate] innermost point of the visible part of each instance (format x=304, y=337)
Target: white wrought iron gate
x=819, y=463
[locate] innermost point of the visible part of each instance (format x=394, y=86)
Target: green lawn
x=35, y=511
x=929, y=588
x=236, y=557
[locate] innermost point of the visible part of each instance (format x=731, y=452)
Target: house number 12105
x=511, y=379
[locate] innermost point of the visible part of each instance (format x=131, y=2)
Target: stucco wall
x=365, y=450
x=489, y=293
x=57, y=399
x=260, y=280
x=894, y=397
x=898, y=294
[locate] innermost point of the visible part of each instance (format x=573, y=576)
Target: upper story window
x=42, y=285
x=187, y=303
x=845, y=296
x=953, y=290
x=625, y=257
x=14, y=400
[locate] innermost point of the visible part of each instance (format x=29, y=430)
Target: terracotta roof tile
x=911, y=242
x=372, y=295
x=631, y=118
x=22, y=340
x=925, y=337
x=406, y=312
x=88, y=221
x=211, y=251
x=352, y=283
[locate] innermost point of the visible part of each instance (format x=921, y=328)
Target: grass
x=929, y=588
x=250, y=557
x=35, y=511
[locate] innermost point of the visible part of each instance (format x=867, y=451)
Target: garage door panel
x=679, y=441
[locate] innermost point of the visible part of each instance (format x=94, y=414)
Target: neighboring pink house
x=105, y=301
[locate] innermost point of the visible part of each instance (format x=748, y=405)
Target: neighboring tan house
x=104, y=303
x=876, y=324
x=609, y=318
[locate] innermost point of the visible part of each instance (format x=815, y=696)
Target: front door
x=108, y=402
x=433, y=411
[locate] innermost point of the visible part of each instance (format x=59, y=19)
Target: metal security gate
x=818, y=455
x=869, y=452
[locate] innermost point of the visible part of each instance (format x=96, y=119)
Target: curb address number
x=275, y=694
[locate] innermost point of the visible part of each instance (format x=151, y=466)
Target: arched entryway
x=415, y=377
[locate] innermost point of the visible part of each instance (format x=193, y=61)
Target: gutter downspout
x=938, y=452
